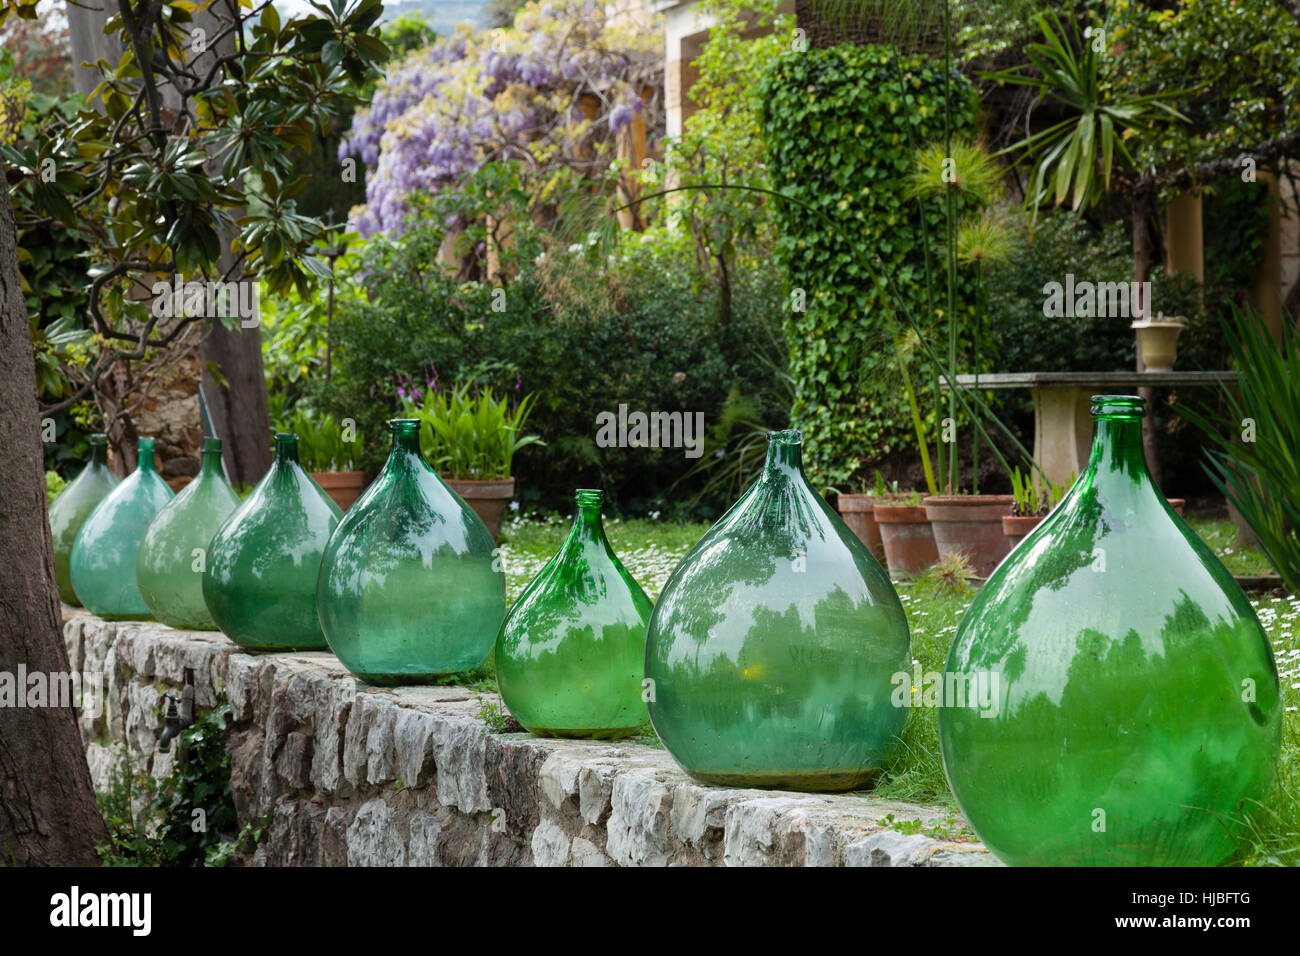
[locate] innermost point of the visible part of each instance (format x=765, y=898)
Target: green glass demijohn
x=410, y=587
x=102, y=566
x=772, y=651
x=69, y=511
x=173, y=555
x=571, y=654
x=260, y=583
x=1110, y=697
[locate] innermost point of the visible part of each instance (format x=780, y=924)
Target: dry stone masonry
x=362, y=776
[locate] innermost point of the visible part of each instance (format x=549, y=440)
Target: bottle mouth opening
x=589, y=496
x=404, y=424
x=790, y=436
x=98, y=439
x=145, y=444
x=286, y=438
x=1130, y=407
x=211, y=444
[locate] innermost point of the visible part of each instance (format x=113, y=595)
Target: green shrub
x=842, y=126
x=642, y=330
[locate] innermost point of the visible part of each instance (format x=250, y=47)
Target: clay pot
x=1015, y=527
x=858, y=512
x=906, y=538
x=343, y=487
x=971, y=524
x=1177, y=504
x=488, y=498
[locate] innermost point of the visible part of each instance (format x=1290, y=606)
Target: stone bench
x=353, y=775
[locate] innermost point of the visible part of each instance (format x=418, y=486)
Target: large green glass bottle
x=260, y=584
x=173, y=554
x=102, y=566
x=1125, y=706
x=410, y=586
x=69, y=511
x=571, y=654
x=772, y=650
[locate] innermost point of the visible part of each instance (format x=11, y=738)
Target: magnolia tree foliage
x=552, y=93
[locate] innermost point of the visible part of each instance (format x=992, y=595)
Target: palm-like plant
x=1256, y=461
x=1075, y=157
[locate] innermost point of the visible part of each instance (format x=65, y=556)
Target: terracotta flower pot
x=1015, y=527
x=1177, y=504
x=488, y=498
x=858, y=512
x=971, y=524
x=343, y=487
x=906, y=538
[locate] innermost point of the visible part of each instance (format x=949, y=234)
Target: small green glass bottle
x=173, y=554
x=102, y=566
x=1119, y=703
x=571, y=654
x=772, y=652
x=410, y=586
x=260, y=583
x=69, y=511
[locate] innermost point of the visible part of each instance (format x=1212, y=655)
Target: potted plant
x=329, y=452
x=1030, y=505
x=1158, y=341
x=471, y=437
x=905, y=534
x=858, y=512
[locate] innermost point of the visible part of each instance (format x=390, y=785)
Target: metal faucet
x=177, y=720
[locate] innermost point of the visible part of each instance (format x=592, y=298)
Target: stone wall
x=356, y=775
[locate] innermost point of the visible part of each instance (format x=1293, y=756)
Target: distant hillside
x=443, y=14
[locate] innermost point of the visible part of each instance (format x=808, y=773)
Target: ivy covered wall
x=841, y=126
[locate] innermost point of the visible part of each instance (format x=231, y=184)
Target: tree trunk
x=48, y=814
x=1143, y=204
x=237, y=406
x=239, y=412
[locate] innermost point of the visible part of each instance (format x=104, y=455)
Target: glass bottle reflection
x=410, y=587
x=69, y=511
x=1136, y=709
x=260, y=584
x=771, y=651
x=571, y=654
x=102, y=565
x=173, y=554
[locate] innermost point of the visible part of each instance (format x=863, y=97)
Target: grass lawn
x=651, y=549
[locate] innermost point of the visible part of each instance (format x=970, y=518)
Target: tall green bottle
x=260, y=583
x=773, y=649
x=571, y=654
x=102, y=565
x=173, y=554
x=410, y=586
x=69, y=511
x=1121, y=704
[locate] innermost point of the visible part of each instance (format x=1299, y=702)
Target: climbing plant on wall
x=842, y=126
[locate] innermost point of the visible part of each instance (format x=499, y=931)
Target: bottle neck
x=587, y=527
x=406, y=443
x=784, y=455
x=144, y=455
x=99, y=454
x=286, y=449
x=1117, y=447
x=211, y=463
